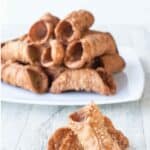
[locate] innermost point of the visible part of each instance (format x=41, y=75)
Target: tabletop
x=28, y=127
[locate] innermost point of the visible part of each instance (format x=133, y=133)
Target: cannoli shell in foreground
x=84, y=79
x=64, y=139
x=20, y=51
x=43, y=29
x=54, y=55
x=88, y=124
x=28, y=77
x=93, y=44
x=73, y=26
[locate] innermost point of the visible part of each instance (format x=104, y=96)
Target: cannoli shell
x=54, y=55
x=84, y=79
x=28, y=77
x=43, y=29
x=20, y=51
x=93, y=44
x=113, y=63
x=73, y=26
x=88, y=124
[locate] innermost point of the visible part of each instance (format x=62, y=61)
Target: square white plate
x=130, y=85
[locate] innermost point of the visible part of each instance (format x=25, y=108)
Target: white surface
x=128, y=88
x=27, y=127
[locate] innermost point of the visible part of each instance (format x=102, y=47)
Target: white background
x=106, y=11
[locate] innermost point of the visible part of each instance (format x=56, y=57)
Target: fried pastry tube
x=43, y=29
x=93, y=44
x=64, y=139
x=28, y=77
x=20, y=51
x=53, y=55
x=73, y=26
x=111, y=63
x=84, y=79
x=88, y=124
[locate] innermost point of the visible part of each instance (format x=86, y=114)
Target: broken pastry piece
x=84, y=79
x=43, y=29
x=28, y=77
x=73, y=26
x=89, y=125
x=93, y=44
x=54, y=55
x=20, y=51
x=64, y=139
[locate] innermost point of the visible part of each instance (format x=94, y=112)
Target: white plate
x=130, y=85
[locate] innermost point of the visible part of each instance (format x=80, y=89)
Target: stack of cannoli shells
x=67, y=52
x=88, y=129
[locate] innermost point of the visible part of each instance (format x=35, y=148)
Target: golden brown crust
x=51, y=18
x=107, y=80
x=93, y=44
x=112, y=63
x=28, y=77
x=73, y=26
x=54, y=55
x=64, y=139
x=88, y=129
x=43, y=29
x=116, y=134
x=88, y=124
x=20, y=51
x=84, y=79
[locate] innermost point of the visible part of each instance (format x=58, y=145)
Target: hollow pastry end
x=74, y=55
x=41, y=31
x=33, y=53
x=38, y=79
